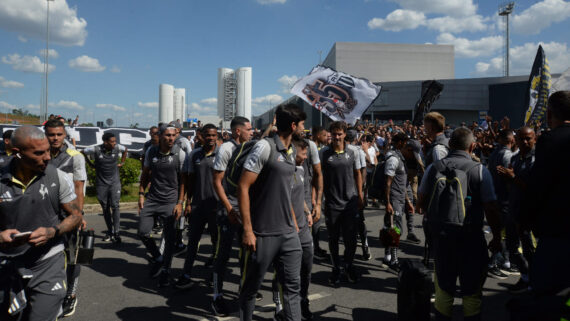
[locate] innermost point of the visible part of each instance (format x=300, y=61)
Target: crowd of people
x=270, y=193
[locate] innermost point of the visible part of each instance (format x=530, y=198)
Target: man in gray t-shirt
x=228, y=213
x=269, y=224
x=164, y=169
x=108, y=158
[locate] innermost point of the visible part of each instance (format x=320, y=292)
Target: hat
x=175, y=124
x=415, y=145
x=164, y=127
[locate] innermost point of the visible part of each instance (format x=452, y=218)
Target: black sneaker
x=334, y=279
x=392, y=266
x=155, y=268
x=306, y=314
x=180, y=249
x=279, y=316
x=219, y=307
x=117, y=239
x=366, y=253
x=69, y=304
x=496, y=273
x=164, y=279
x=258, y=296
x=108, y=238
x=519, y=288
x=183, y=282
x=412, y=238
x=320, y=253
x=351, y=275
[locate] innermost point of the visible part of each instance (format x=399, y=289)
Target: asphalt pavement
x=117, y=287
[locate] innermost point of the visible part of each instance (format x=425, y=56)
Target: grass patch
x=129, y=193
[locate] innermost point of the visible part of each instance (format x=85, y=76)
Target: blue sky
x=108, y=57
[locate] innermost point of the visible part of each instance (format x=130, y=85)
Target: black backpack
x=377, y=188
x=449, y=199
x=414, y=291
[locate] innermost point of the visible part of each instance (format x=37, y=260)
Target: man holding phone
x=31, y=196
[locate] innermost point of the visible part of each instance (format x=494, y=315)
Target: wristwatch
x=56, y=231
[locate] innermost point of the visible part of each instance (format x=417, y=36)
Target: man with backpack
x=270, y=231
x=201, y=198
x=228, y=218
x=342, y=182
x=164, y=169
x=457, y=194
x=396, y=196
x=435, y=144
x=108, y=182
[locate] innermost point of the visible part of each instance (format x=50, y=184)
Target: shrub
x=129, y=173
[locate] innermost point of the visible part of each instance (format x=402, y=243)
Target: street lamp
x=43, y=113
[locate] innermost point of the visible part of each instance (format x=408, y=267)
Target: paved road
x=116, y=286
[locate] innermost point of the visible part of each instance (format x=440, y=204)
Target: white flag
x=336, y=94
x=561, y=83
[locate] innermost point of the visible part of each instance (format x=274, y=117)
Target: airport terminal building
x=401, y=68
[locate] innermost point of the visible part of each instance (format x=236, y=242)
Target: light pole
x=43, y=113
x=505, y=10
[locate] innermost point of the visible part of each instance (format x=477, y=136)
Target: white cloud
x=456, y=8
x=199, y=110
x=86, y=64
x=10, y=83
x=398, y=20
x=22, y=39
x=150, y=104
x=111, y=106
x=32, y=106
x=51, y=52
x=261, y=104
x=26, y=63
x=271, y=1
x=209, y=101
x=29, y=18
x=540, y=16
x=465, y=48
x=458, y=24
x=522, y=58
x=287, y=83
x=115, y=69
x=67, y=104
x=6, y=105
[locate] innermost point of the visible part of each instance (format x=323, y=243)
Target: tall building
x=171, y=103
x=234, y=93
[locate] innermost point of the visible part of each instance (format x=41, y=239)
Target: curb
x=90, y=209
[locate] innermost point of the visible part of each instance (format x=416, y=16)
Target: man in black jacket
x=546, y=209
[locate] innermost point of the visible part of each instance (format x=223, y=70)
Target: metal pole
x=507, y=46
x=43, y=116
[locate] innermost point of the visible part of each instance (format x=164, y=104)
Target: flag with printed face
x=538, y=89
x=340, y=96
x=431, y=90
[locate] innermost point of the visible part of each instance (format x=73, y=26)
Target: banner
x=431, y=91
x=132, y=139
x=561, y=83
x=538, y=89
x=340, y=96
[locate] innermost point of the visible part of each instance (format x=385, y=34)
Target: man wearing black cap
x=163, y=169
x=342, y=182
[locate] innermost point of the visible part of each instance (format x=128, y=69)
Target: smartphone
x=21, y=236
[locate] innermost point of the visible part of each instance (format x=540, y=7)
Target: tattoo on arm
x=73, y=219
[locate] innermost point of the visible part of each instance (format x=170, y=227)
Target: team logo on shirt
x=154, y=159
x=346, y=156
x=6, y=197
x=43, y=191
x=330, y=160
x=280, y=158
x=170, y=159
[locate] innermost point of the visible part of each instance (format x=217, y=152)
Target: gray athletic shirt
x=164, y=176
x=106, y=164
x=338, y=177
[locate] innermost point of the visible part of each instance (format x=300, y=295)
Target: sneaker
x=69, y=304
x=306, y=314
x=334, y=279
x=155, y=268
x=412, y=238
x=117, y=239
x=279, y=316
x=512, y=270
x=351, y=275
x=258, y=296
x=366, y=253
x=519, y=287
x=496, y=273
x=394, y=266
x=179, y=249
x=219, y=307
x=385, y=263
x=108, y=238
x=183, y=283
x=320, y=253
x=164, y=279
